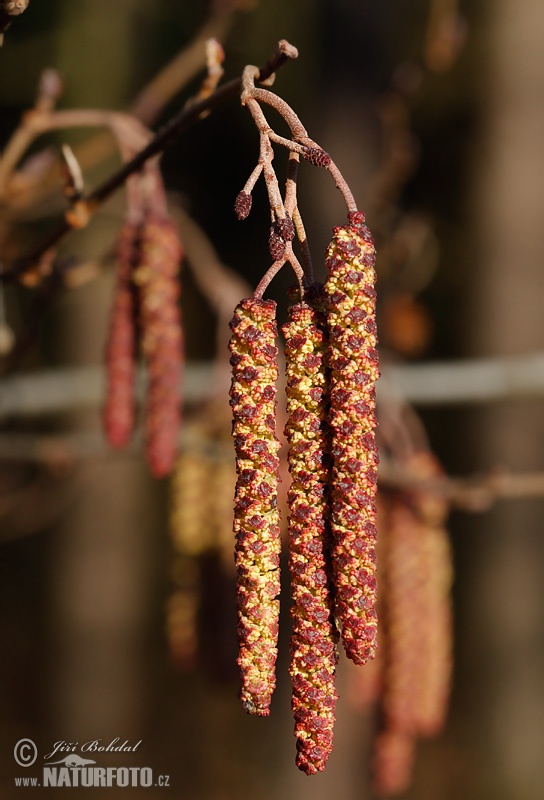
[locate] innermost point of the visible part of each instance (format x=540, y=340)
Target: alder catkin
x=242, y=205
x=191, y=528
x=316, y=156
x=393, y=759
x=405, y=618
x=162, y=342
x=254, y=360
x=354, y=370
x=182, y=610
x=119, y=406
x=438, y=565
x=276, y=245
x=313, y=643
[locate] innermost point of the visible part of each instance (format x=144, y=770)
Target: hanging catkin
x=162, y=343
x=393, y=758
x=354, y=371
x=119, y=410
x=313, y=643
x=437, y=643
x=256, y=516
x=405, y=618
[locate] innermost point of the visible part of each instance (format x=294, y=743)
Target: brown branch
x=177, y=125
x=147, y=106
x=301, y=142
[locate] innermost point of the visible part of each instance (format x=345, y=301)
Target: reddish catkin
x=119, y=408
x=365, y=686
x=437, y=558
x=162, y=340
x=242, y=205
x=313, y=643
x=354, y=370
x=393, y=760
x=254, y=360
x=406, y=618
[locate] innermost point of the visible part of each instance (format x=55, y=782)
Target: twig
x=301, y=142
x=271, y=273
x=177, y=125
x=148, y=104
x=184, y=66
x=49, y=91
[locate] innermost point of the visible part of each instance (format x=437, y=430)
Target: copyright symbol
x=25, y=752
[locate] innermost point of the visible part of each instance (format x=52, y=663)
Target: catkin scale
x=354, y=370
x=256, y=516
x=313, y=642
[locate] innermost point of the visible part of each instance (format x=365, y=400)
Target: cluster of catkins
x=332, y=367
x=145, y=316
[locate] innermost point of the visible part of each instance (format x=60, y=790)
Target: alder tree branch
x=179, y=123
x=286, y=218
x=39, y=187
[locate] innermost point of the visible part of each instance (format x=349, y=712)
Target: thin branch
x=49, y=91
x=177, y=125
x=147, y=106
x=184, y=66
x=299, y=132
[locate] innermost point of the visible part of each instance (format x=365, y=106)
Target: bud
x=276, y=245
x=242, y=205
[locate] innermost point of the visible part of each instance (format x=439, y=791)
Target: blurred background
x=434, y=112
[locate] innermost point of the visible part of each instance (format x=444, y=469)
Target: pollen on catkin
x=313, y=642
x=254, y=360
x=119, y=406
x=353, y=361
x=162, y=339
